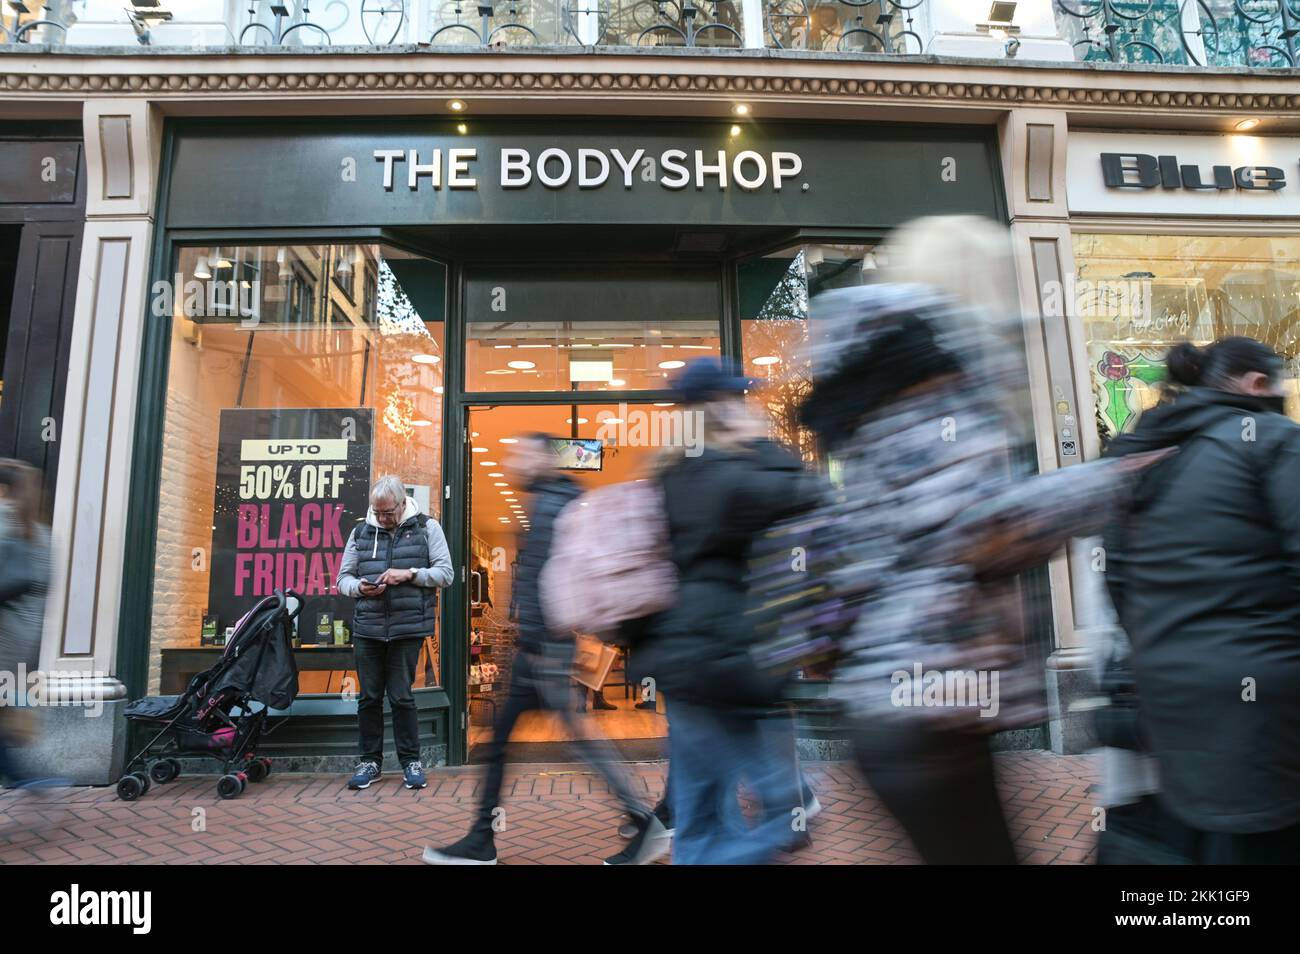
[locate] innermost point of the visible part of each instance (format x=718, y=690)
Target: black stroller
x=213, y=718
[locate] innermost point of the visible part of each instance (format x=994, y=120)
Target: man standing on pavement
x=392, y=566
x=541, y=675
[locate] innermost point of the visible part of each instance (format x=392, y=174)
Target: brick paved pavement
x=556, y=814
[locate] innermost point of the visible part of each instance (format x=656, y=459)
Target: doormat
x=629, y=750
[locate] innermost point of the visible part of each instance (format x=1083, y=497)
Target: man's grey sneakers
x=413, y=775
x=474, y=849
x=367, y=772
x=651, y=842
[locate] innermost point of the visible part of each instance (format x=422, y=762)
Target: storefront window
x=595, y=329
x=1137, y=295
x=298, y=374
x=777, y=293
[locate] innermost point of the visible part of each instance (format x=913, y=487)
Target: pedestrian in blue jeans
x=720, y=494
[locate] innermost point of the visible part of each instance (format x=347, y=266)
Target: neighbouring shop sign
x=1143, y=174
x=291, y=484
x=498, y=171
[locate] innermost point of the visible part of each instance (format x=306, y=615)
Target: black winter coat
x=550, y=495
x=717, y=504
x=1205, y=575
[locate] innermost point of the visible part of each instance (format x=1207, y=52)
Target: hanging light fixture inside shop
x=219, y=260
x=201, y=270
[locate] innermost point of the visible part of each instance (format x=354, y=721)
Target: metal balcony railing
x=1211, y=33
x=850, y=26
x=1254, y=33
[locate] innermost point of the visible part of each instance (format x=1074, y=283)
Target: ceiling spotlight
x=1246, y=124
x=521, y=365
x=766, y=359
x=479, y=450
x=421, y=423
x=671, y=365
x=500, y=483
x=488, y=463
x=509, y=440
x=569, y=420
x=425, y=358
x=735, y=131
x=201, y=270
x=617, y=382
x=456, y=105
x=740, y=109
x=462, y=128
x=496, y=473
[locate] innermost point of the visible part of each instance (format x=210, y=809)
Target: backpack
x=609, y=562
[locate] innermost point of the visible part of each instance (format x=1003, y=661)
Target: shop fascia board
x=779, y=84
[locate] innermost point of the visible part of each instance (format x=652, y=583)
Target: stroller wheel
x=229, y=786
x=129, y=788
x=257, y=770
x=144, y=780
x=176, y=766
x=243, y=780
x=164, y=770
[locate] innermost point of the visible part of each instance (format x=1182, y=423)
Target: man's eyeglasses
x=392, y=512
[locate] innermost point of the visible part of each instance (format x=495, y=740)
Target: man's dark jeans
x=387, y=668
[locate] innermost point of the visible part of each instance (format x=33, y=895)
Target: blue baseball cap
x=706, y=378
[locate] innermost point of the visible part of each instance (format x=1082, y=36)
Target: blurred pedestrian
x=1204, y=572
x=699, y=654
x=24, y=576
x=933, y=521
x=541, y=677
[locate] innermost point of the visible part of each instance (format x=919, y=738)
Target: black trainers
x=367, y=772
x=473, y=849
x=649, y=843
x=629, y=828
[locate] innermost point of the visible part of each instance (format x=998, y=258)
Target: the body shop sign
x=592, y=168
x=434, y=173
x=1143, y=174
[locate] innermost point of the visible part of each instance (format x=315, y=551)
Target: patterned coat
x=922, y=542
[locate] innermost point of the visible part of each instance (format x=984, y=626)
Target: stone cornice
x=36, y=77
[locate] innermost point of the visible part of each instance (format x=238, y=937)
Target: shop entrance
x=593, y=447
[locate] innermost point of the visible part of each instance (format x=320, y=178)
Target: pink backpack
x=609, y=561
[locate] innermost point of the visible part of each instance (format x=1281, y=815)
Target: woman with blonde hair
x=932, y=524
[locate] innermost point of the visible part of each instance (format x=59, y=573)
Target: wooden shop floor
x=625, y=722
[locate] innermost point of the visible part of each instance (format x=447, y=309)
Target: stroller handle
x=282, y=596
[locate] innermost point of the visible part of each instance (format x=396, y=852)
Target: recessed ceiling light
x=462, y=128
x=496, y=473
x=741, y=109
x=663, y=404
x=488, y=463
x=671, y=365
x=505, y=491
x=612, y=420
x=512, y=500
x=735, y=130
x=473, y=433
x=617, y=382
x=479, y=450
x=521, y=365
x=569, y=420
x=500, y=483
x=437, y=389
x=425, y=358
x=1247, y=124
x=509, y=440
x=500, y=371
x=421, y=423
x=766, y=359
x=456, y=105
